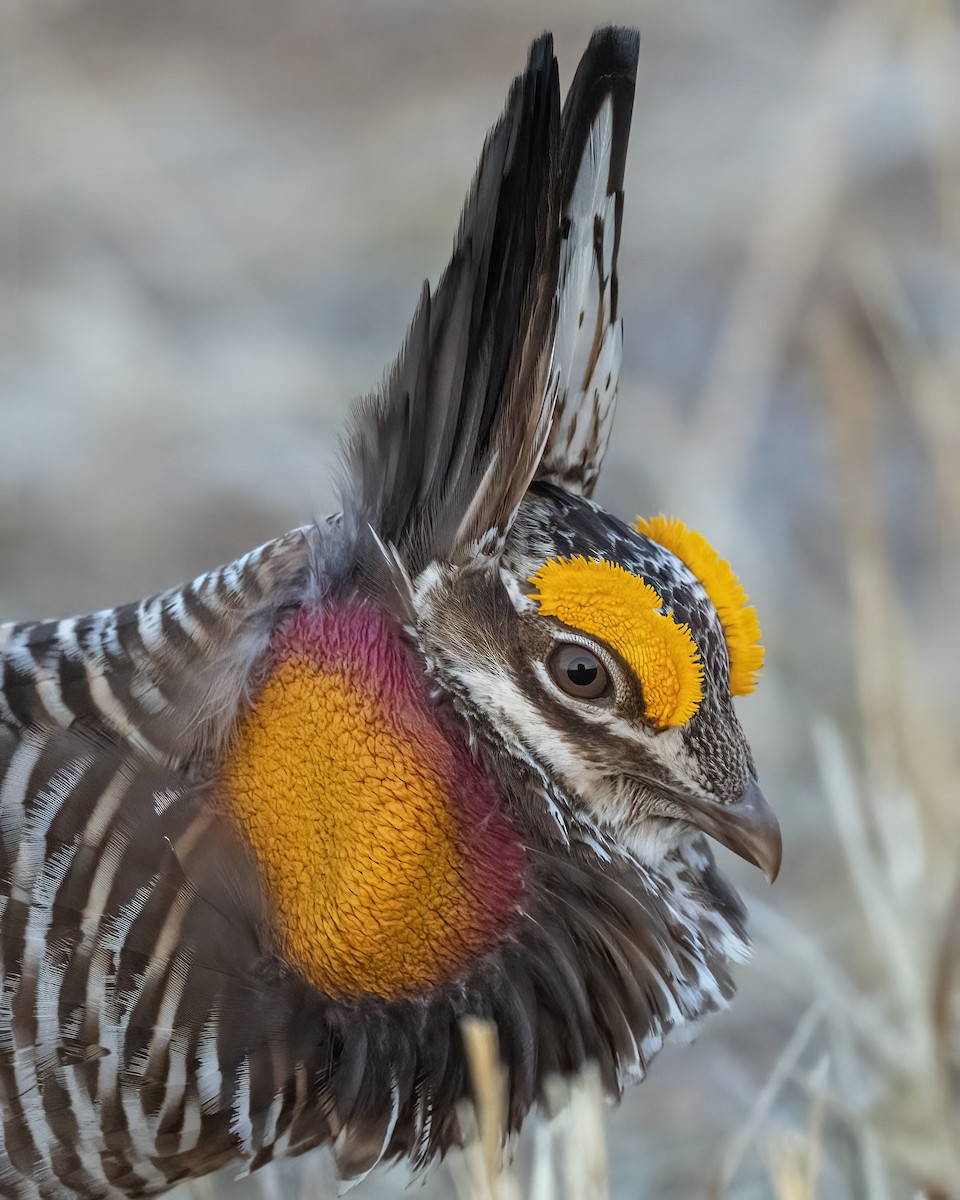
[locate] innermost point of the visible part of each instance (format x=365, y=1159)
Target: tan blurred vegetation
x=214, y=218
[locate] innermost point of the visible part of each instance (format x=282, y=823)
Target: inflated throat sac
x=387, y=858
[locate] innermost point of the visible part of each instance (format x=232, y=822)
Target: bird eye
x=579, y=672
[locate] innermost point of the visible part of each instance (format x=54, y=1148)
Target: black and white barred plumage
x=152, y=1026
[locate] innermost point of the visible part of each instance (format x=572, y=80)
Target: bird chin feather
x=634, y=819
x=653, y=839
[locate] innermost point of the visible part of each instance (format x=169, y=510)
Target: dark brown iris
x=579, y=672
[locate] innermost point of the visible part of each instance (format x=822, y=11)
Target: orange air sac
x=382, y=842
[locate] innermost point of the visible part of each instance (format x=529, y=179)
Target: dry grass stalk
x=787, y=242
x=899, y=874
x=575, y=1135
x=926, y=382
x=928, y=390
x=483, y=1122
x=579, y=1127
x=789, y=1171
x=755, y=1125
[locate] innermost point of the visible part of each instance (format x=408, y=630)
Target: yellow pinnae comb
x=737, y=616
x=605, y=600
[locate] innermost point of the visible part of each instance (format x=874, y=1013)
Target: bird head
x=609, y=658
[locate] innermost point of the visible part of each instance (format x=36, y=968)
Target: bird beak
x=748, y=827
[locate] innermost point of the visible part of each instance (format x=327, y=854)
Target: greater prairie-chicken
x=267, y=838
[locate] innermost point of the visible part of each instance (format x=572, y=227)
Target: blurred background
x=215, y=216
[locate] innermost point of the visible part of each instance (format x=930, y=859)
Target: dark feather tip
x=608, y=68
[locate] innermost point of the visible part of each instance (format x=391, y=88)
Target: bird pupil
x=581, y=673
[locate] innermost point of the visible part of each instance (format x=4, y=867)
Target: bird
x=457, y=751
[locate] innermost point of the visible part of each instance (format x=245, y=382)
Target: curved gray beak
x=748, y=827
